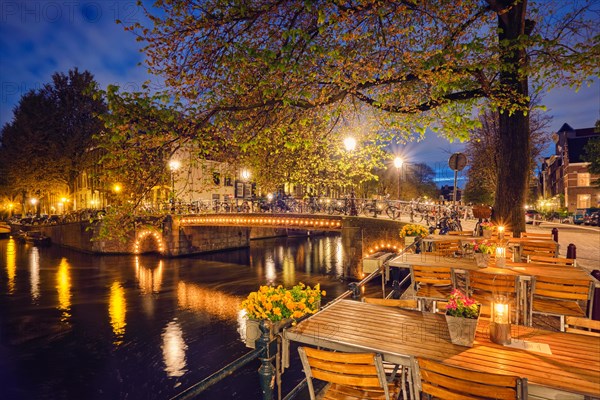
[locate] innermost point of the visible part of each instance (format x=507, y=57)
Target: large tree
x=483, y=152
x=414, y=65
x=47, y=143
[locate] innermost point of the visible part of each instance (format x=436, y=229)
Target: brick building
x=565, y=172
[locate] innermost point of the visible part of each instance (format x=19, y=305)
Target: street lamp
x=245, y=174
x=350, y=143
x=173, y=166
x=34, y=202
x=398, y=164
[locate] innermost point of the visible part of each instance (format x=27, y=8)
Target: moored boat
x=4, y=229
x=36, y=238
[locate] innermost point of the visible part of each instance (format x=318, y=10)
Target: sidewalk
x=585, y=238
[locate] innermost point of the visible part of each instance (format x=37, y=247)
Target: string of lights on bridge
x=286, y=222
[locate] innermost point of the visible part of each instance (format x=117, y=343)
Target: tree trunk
x=513, y=168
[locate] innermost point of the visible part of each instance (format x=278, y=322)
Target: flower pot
x=462, y=330
x=253, y=331
x=408, y=240
x=482, y=260
x=487, y=233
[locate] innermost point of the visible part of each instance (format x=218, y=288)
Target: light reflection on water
x=63, y=280
x=149, y=278
x=144, y=327
x=173, y=349
x=207, y=301
x=34, y=273
x=117, y=308
x=11, y=265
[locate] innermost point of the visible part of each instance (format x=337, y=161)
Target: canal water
x=80, y=326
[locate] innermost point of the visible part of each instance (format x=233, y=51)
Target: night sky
x=39, y=38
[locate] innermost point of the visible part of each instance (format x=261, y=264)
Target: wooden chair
x=538, y=248
x=399, y=303
x=559, y=297
x=557, y=261
x=446, y=248
x=583, y=326
x=351, y=375
x=505, y=235
x=483, y=287
x=547, y=236
x=449, y=382
x=431, y=283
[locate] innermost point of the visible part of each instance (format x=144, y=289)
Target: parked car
x=591, y=219
x=533, y=217
x=579, y=216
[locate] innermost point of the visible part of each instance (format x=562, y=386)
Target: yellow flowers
x=413, y=230
x=277, y=303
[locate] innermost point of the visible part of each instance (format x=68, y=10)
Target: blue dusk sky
x=39, y=38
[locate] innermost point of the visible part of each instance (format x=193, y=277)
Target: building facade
x=566, y=173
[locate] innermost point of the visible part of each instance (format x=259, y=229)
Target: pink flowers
x=459, y=305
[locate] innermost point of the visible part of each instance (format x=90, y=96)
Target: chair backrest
x=449, y=382
x=485, y=286
x=537, y=248
x=460, y=233
x=562, y=289
x=559, y=261
x=441, y=276
x=362, y=370
x=505, y=235
x=400, y=303
x=532, y=235
x=583, y=326
x=447, y=248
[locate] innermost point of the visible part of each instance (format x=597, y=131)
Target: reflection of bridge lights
x=270, y=270
x=194, y=297
x=143, y=235
x=149, y=279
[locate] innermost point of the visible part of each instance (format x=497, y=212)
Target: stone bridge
x=212, y=232
x=183, y=235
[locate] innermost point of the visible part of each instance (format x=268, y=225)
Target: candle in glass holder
x=500, y=322
x=500, y=232
x=500, y=256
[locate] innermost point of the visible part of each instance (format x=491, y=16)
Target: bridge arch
x=384, y=245
x=148, y=241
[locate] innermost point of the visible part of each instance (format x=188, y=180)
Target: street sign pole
x=457, y=162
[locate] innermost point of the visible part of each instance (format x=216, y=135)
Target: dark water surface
x=79, y=326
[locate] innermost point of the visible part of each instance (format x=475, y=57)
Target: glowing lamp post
x=34, y=203
x=350, y=145
x=500, y=321
x=398, y=162
x=173, y=166
x=245, y=175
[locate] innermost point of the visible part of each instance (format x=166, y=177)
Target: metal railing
x=266, y=349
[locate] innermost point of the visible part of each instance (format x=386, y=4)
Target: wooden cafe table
x=561, y=361
x=524, y=271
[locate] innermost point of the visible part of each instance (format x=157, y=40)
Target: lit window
x=584, y=200
x=583, y=179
